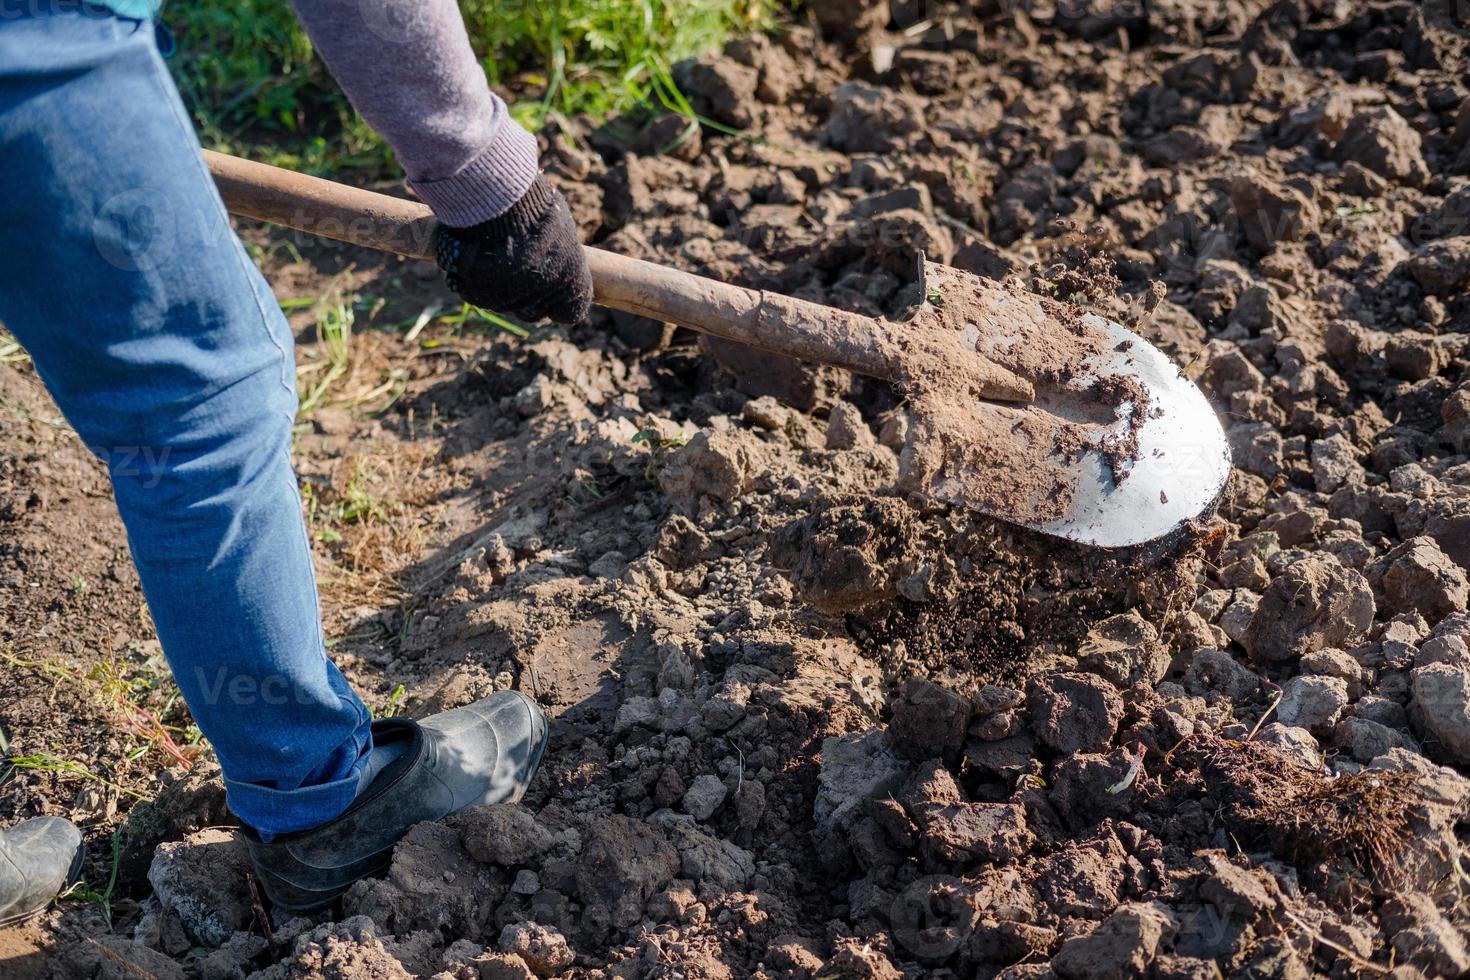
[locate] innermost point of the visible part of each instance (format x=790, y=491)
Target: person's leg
x=165, y=349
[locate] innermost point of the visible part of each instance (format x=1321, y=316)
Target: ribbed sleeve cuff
x=489, y=184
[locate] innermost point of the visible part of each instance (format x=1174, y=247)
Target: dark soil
x=807, y=725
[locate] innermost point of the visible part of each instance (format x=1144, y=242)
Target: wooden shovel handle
x=323, y=207
x=780, y=324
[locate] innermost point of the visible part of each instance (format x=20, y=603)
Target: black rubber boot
x=39, y=858
x=485, y=752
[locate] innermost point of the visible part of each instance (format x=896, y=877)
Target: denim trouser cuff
x=282, y=811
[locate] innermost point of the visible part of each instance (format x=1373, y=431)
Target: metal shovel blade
x=1116, y=449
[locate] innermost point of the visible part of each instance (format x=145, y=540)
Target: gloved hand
x=527, y=261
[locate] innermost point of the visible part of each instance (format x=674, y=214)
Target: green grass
x=46, y=762
x=254, y=85
x=395, y=701
x=82, y=892
x=599, y=57
x=475, y=320
x=334, y=319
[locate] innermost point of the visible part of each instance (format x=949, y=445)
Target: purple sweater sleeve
x=407, y=67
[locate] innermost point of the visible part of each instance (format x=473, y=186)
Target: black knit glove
x=526, y=261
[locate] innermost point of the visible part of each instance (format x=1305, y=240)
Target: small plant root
x=1358, y=822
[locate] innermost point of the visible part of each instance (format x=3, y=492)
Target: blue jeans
x=168, y=354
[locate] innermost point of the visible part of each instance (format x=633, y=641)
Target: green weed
x=334, y=321
x=318, y=513
x=395, y=699
x=469, y=319
x=603, y=57
x=660, y=448
x=657, y=441
x=358, y=503
x=366, y=496
x=46, y=762
x=252, y=81
x=254, y=85
x=82, y=892
x=122, y=690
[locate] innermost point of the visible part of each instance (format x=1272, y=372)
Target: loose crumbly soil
x=1015, y=461
x=807, y=725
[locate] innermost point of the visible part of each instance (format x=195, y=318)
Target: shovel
x=1020, y=408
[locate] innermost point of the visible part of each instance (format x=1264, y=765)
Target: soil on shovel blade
x=804, y=724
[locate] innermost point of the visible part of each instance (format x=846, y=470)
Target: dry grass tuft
x=375, y=516
x=1359, y=822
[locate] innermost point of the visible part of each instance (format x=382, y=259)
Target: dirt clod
x=869, y=119
x=544, y=950
x=1416, y=577
x=1270, y=212
x=1074, y=712
x=928, y=719
x=1312, y=604
x=1125, y=945
x=1381, y=140
x=1125, y=650
x=624, y=862
x=508, y=836
x=201, y=880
